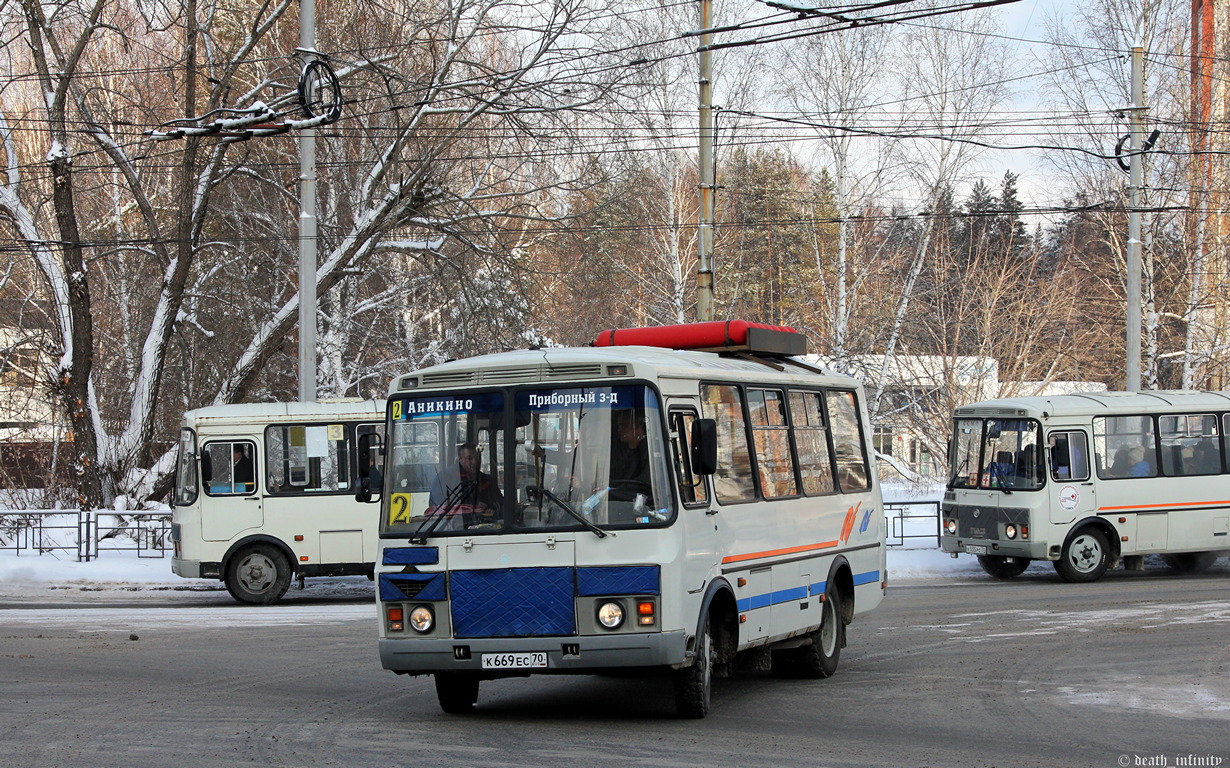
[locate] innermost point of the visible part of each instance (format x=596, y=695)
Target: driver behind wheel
x=630, y=458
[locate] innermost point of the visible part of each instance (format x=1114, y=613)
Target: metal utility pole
x=307, y=222
x=1136, y=124
x=704, y=238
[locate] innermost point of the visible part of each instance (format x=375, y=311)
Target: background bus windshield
x=997, y=453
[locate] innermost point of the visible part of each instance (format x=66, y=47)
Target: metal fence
x=85, y=534
x=913, y=521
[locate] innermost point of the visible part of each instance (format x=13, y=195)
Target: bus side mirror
x=370, y=476
x=704, y=446
x=207, y=467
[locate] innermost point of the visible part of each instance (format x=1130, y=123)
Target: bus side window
x=847, y=442
x=1126, y=446
x=308, y=458
x=229, y=468
x=692, y=487
x=734, y=479
x=1069, y=456
x=811, y=439
x=1190, y=445
x=771, y=437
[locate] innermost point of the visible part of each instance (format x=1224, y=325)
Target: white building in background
x=920, y=392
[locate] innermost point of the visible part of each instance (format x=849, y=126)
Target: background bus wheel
x=694, y=684
x=456, y=691
x=1084, y=557
x=1190, y=562
x=1003, y=567
x=259, y=575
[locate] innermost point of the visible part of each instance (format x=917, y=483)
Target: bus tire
x=1085, y=556
x=818, y=659
x=1191, y=562
x=258, y=575
x=694, y=684
x=457, y=692
x=1003, y=567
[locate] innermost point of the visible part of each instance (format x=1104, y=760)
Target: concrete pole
x=307, y=222
x=704, y=239
x=1136, y=123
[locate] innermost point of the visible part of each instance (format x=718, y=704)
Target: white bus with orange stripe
x=514, y=542
x=1090, y=480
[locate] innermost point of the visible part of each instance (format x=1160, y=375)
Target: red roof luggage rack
x=716, y=336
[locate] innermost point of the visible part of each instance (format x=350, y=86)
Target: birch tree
x=435, y=162
x=948, y=70
x=1094, y=87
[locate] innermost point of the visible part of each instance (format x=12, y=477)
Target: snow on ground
x=123, y=573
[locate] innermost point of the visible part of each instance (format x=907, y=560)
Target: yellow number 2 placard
x=399, y=509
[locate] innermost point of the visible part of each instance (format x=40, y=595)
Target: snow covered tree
x=177, y=258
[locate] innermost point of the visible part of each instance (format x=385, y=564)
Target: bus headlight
x=1010, y=531
x=951, y=527
x=611, y=615
x=422, y=619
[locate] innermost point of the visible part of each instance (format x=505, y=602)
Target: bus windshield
x=570, y=458
x=997, y=453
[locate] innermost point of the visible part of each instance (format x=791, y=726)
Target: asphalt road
x=1132, y=670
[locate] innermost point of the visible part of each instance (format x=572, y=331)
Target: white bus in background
x=1086, y=480
x=627, y=506
x=266, y=491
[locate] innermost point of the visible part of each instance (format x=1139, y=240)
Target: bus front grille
x=983, y=522
x=513, y=602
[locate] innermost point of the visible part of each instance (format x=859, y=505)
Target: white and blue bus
x=265, y=492
x=1086, y=481
x=635, y=505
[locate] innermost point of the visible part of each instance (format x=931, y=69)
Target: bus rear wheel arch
x=1085, y=555
x=258, y=574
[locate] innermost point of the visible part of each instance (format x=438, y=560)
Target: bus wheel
x=694, y=684
x=818, y=659
x=456, y=691
x=1003, y=567
x=1085, y=557
x=1191, y=562
x=259, y=575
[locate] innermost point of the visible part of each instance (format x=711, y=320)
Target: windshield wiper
x=952, y=481
x=437, y=515
x=580, y=518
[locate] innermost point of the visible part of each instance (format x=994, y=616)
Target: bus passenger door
x=1073, y=493
x=698, y=515
x=232, y=502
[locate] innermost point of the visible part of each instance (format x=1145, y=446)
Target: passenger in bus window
x=242, y=475
x=1122, y=465
x=1140, y=466
x=1208, y=460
